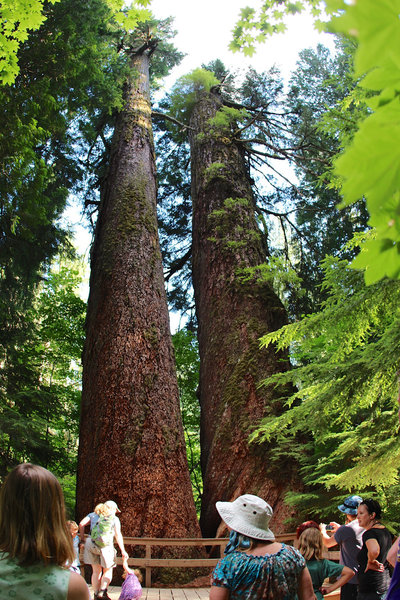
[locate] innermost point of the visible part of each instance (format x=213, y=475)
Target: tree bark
x=232, y=316
x=132, y=447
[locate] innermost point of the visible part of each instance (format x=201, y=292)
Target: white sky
x=204, y=30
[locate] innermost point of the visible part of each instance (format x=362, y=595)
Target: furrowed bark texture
x=132, y=446
x=232, y=316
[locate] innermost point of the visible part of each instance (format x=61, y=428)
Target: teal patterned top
x=34, y=582
x=251, y=577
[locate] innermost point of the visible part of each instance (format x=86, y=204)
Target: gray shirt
x=349, y=538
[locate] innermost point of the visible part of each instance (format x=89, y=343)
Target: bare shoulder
x=77, y=588
x=263, y=549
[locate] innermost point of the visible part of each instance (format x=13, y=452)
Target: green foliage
x=228, y=116
x=40, y=376
x=342, y=419
x=278, y=273
x=214, y=170
x=19, y=17
x=369, y=166
x=254, y=27
x=325, y=110
x=165, y=56
x=185, y=92
x=187, y=366
x=129, y=15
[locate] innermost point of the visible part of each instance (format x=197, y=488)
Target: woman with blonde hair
x=311, y=546
x=35, y=544
x=99, y=551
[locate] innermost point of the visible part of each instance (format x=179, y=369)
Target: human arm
x=329, y=541
x=77, y=588
x=82, y=524
x=125, y=566
x=373, y=549
x=392, y=554
x=304, y=588
x=219, y=593
x=119, y=538
x=345, y=576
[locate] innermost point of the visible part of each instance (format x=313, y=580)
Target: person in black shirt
x=373, y=572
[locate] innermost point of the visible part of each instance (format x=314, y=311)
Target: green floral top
x=34, y=582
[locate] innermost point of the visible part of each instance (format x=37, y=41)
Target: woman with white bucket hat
x=255, y=566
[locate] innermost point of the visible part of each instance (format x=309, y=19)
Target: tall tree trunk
x=231, y=318
x=132, y=447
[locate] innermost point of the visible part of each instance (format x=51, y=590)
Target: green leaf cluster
x=40, y=376
x=254, y=27
x=187, y=367
x=341, y=420
x=17, y=18
x=227, y=116
x=370, y=165
x=185, y=92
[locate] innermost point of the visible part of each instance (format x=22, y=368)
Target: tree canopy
x=63, y=64
x=363, y=166
x=19, y=17
x=342, y=417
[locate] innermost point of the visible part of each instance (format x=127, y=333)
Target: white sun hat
x=112, y=505
x=248, y=515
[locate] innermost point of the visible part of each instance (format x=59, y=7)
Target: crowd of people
x=257, y=567
x=39, y=549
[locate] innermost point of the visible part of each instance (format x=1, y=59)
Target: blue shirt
x=349, y=538
x=254, y=577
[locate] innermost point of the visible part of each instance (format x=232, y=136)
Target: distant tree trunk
x=132, y=447
x=231, y=318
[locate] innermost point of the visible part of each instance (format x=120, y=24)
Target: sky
x=204, y=30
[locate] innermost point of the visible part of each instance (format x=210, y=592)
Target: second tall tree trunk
x=232, y=316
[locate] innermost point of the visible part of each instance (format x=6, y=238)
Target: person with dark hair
x=349, y=538
x=306, y=525
x=255, y=565
x=35, y=543
x=373, y=572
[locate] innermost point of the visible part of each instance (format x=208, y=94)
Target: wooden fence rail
x=147, y=562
